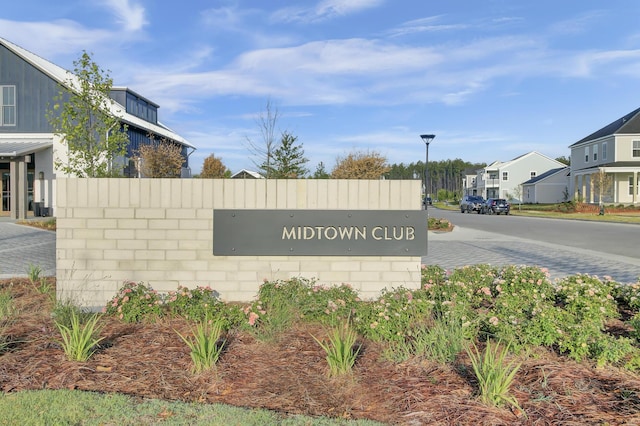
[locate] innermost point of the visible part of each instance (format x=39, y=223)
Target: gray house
x=549, y=187
x=28, y=146
x=615, y=151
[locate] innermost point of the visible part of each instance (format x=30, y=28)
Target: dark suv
x=495, y=206
x=471, y=203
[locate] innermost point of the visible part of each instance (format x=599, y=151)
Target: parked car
x=495, y=206
x=427, y=201
x=471, y=203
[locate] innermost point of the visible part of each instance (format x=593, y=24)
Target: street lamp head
x=427, y=138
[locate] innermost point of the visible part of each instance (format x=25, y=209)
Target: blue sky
x=492, y=79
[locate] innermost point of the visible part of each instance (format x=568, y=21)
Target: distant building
x=504, y=179
x=28, y=86
x=246, y=174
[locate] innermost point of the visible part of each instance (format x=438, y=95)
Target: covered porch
x=623, y=187
x=22, y=182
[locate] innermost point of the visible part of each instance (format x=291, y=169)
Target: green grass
x=545, y=210
x=65, y=407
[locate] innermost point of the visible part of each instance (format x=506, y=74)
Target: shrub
x=588, y=304
x=195, y=304
x=392, y=317
x=523, y=311
x=628, y=295
x=280, y=303
x=135, y=302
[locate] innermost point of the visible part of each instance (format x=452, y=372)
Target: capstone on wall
x=160, y=232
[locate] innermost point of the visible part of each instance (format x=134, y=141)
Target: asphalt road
x=565, y=247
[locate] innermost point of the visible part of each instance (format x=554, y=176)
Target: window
x=586, y=154
x=631, y=186
x=595, y=152
x=533, y=174
x=8, y=106
x=604, y=151
x=505, y=175
x=636, y=149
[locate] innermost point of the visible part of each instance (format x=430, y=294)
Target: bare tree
x=263, y=151
x=160, y=159
x=360, y=165
x=601, y=183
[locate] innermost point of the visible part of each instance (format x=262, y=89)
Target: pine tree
x=288, y=160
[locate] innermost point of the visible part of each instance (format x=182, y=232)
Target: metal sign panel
x=319, y=232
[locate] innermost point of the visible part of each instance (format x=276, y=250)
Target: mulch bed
x=290, y=376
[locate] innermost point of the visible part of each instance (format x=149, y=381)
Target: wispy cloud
x=326, y=9
x=60, y=37
x=128, y=12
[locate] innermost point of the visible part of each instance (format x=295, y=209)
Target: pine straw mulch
x=290, y=376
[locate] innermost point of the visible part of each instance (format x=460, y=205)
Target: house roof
x=546, y=174
x=67, y=79
x=244, y=173
x=22, y=147
x=499, y=164
x=629, y=124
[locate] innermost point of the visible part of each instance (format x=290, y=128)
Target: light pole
x=427, y=140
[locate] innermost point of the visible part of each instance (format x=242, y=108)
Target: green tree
x=288, y=160
x=564, y=160
x=360, y=165
x=81, y=116
x=321, y=172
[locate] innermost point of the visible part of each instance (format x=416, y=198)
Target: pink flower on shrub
x=493, y=321
x=486, y=291
x=252, y=318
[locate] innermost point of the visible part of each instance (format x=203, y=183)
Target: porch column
x=13, y=188
x=634, y=197
x=18, y=188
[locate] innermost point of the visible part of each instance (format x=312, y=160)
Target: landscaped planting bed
x=478, y=345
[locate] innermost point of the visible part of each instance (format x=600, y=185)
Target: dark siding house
x=28, y=146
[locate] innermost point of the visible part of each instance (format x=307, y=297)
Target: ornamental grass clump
x=341, y=350
x=494, y=374
x=79, y=340
x=135, y=302
x=205, y=343
x=7, y=306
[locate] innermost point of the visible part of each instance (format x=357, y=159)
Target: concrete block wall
x=160, y=232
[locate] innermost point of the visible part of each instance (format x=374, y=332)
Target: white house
x=505, y=179
x=28, y=145
x=614, y=150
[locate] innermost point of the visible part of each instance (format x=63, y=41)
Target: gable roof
x=244, y=173
x=629, y=124
x=500, y=165
x=547, y=174
x=67, y=78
